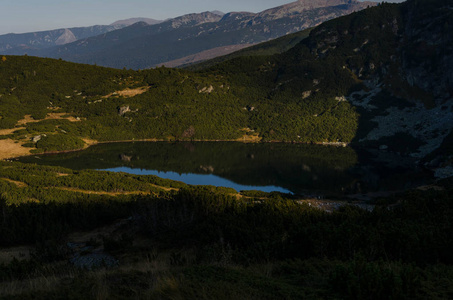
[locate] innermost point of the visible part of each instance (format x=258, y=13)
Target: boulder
x=36, y=139
x=123, y=110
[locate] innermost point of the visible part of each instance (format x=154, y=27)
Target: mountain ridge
x=130, y=21
x=19, y=44
x=190, y=34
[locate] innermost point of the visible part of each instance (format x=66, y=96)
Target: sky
x=18, y=16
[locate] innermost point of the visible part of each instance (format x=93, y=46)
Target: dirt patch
x=250, y=136
x=76, y=190
x=101, y=192
x=128, y=93
x=10, y=149
x=50, y=116
x=19, y=184
x=9, y=131
x=89, y=142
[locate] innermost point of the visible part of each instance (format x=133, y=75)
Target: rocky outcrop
x=306, y=94
x=403, y=57
x=36, y=138
x=206, y=90
x=66, y=38
x=195, y=19
x=300, y=6
x=429, y=46
x=123, y=110
x=409, y=92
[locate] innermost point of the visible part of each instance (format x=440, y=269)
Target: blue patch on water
x=199, y=179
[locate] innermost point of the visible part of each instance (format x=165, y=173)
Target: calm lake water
x=288, y=168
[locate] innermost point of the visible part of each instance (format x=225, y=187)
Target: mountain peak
x=218, y=12
x=195, y=19
x=303, y=5
x=128, y=22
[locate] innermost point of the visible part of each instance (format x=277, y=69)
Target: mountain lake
x=309, y=170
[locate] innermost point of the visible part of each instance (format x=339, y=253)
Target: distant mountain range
x=22, y=43
x=19, y=44
x=186, y=39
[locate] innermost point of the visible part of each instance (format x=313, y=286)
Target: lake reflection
x=199, y=179
x=296, y=168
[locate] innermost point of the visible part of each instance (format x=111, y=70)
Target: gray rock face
x=36, y=139
x=408, y=78
x=195, y=19
x=123, y=110
x=66, y=38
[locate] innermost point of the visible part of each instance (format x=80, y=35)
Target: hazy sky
x=34, y=15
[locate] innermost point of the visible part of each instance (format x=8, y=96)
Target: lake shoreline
x=18, y=150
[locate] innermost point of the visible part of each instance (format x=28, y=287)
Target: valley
x=85, y=210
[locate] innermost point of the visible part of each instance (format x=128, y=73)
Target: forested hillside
x=109, y=235
x=107, y=104
x=347, y=82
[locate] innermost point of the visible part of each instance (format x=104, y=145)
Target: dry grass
x=10, y=131
x=62, y=174
x=128, y=93
x=10, y=148
x=50, y=116
x=89, y=142
x=76, y=190
x=250, y=136
x=19, y=184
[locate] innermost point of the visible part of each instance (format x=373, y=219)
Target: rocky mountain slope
x=145, y=46
x=400, y=57
x=19, y=44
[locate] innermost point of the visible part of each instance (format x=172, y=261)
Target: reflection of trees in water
x=297, y=167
